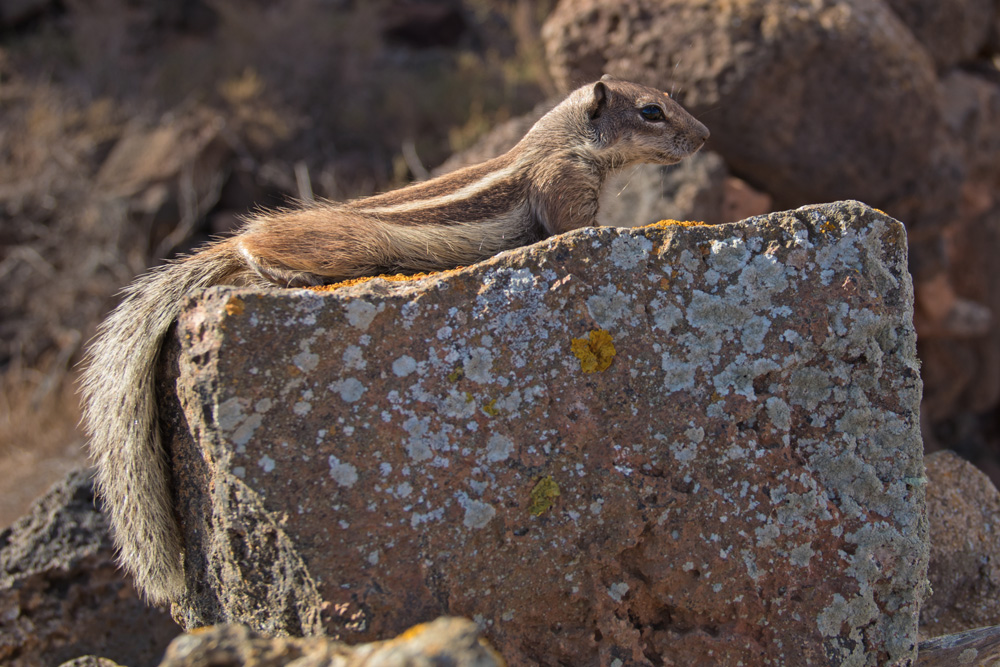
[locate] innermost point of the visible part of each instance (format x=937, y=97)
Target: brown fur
x=548, y=184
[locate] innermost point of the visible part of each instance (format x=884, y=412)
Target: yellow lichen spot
x=543, y=496
x=595, y=354
x=663, y=224
x=828, y=227
x=456, y=375
x=235, y=306
x=491, y=408
x=393, y=278
x=469, y=398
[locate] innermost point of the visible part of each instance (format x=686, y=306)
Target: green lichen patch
x=543, y=496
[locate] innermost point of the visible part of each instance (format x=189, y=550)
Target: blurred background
x=133, y=130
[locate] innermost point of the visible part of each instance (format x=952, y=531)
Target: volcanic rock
x=61, y=593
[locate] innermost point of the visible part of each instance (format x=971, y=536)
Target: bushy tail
x=120, y=415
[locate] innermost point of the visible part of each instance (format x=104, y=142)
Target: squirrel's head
x=630, y=123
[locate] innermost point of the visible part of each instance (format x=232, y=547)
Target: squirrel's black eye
x=652, y=113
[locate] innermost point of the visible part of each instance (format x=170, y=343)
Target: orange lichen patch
x=410, y=633
x=396, y=277
x=595, y=354
x=543, y=496
x=828, y=227
x=666, y=280
x=235, y=306
x=663, y=224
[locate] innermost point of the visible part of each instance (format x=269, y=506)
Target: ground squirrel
x=547, y=184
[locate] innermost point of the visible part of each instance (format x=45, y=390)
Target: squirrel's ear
x=600, y=101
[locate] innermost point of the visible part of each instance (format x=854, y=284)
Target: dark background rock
x=834, y=134
x=963, y=507
x=952, y=33
x=61, y=594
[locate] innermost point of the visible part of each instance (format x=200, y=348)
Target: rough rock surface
x=900, y=108
x=663, y=445
x=445, y=642
x=61, y=594
x=963, y=509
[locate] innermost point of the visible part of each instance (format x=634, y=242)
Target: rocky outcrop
x=689, y=444
x=61, y=594
x=894, y=102
x=962, y=507
x=445, y=642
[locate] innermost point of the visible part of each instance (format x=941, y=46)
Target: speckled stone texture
x=743, y=481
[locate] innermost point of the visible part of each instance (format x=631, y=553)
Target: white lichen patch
x=627, y=251
x=360, y=313
x=350, y=389
x=306, y=361
x=266, y=463
x=779, y=413
x=478, y=364
x=665, y=315
x=608, y=306
x=354, y=358
x=477, y=513
x=404, y=365
x=344, y=474
x=618, y=590
x=234, y=422
x=678, y=375
x=728, y=255
x=499, y=448
x=714, y=314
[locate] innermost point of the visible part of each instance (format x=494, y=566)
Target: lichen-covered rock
x=683, y=445
x=445, y=642
x=962, y=508
x=61, y=593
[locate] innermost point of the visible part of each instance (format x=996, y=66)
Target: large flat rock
x=667, y=445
